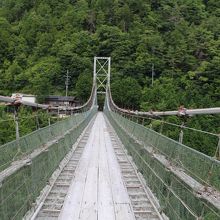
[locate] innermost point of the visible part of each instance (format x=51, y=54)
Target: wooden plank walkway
x=97, y=192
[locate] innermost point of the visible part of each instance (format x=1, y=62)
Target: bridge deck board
x=97, y=191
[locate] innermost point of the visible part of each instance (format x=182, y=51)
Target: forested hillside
x=41, y=39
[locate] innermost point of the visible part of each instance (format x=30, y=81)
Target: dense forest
x=178, y=39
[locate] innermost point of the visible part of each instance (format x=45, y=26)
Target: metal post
x=67, y=81
x=161, y=127
x=217, y=153
x=16, y=124
x=143, y=121
x=37, y=122
x=109, y=71
x=94, y=72
x=17, y=131
x=181, y=133
x=219, y=146
x=67, y=86
x=152, y=75
x=49, y=123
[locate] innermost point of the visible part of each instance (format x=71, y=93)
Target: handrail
x=180, y=112
x=17, y=102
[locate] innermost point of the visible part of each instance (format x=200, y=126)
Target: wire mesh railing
x=204, y=141
x=178, y=199
x=17, y=149
x=19, y=190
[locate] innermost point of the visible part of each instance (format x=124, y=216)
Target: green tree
x=84, y=86
x=126, y=92
x=40, y=40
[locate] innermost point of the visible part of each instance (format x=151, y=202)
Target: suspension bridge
x=103, y=165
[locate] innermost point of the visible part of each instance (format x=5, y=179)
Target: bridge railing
x=202, y=167
x=186, y=157
x=174, y=172
x=85, y=107
x=19, y=190
x=17, y=149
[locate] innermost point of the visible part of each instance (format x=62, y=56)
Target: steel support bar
x=16, y=102
x=20, y=102
x=189, y=112
x=16, y=125
x=6, y=99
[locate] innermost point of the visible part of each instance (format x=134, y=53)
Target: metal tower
x=102, y=68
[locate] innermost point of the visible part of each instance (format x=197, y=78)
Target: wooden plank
x=121, y=199
x=72, y=205
x=124, y=211
x=89, y=209
x=97, y=191
x=105, y=198
x=118, y=189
